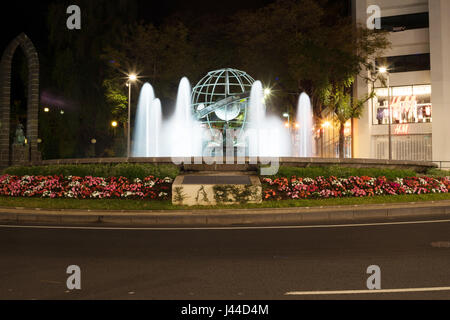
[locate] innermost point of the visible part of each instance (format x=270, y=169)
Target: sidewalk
x=230, y=217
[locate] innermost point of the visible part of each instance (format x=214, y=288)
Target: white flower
x=150, y=184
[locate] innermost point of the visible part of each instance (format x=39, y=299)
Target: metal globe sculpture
x=220, y=100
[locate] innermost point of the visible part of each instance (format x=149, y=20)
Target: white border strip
x=342, y=292
x=226, y=228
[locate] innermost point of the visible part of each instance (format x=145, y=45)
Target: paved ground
x=224, y=263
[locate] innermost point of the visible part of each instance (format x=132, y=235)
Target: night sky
x=30, y=16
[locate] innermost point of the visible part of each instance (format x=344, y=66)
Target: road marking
x=341, y=292
x=226, y=228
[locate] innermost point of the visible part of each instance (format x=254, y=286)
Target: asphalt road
x=226, y=264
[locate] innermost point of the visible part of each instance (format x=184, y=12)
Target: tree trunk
x=353, y=140
x=341, y=139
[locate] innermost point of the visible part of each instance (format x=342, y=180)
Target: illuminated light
x=39, y=140
x=114, y=124
x=297, y=126
x=26, y=141
x=428, y=111
x=62, y=112
x=286, y=124
x=46, y=109
x=326, y=124
x=381, y=92
x=401, y=129
x=348, y=124
x=402, y=91
x=382, y=69
x=229, y=112
x=267, y=92
x=93, y=141
x=422, y=90
x=286, y=115
x=132, y=77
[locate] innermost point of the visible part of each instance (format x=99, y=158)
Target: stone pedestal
x=20, y=155
x=205, y=190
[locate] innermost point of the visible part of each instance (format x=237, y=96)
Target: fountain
x=267, y=137
x=183, y=130
x=306, y=122
x=183, y=137
x=147, y=131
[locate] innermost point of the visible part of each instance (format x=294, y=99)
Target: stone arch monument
x=31, y=55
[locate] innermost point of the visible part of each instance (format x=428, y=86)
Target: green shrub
x=438, y=173
x=128, y=170
x=343, y=172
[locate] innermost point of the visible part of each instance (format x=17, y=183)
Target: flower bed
x=85, y=187
x=332, y=187
x=152, y=188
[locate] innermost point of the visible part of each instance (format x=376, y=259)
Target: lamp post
x=384, y=70
x=114, y=125
x=93, y=142
x=131, y=78
x=286, y=115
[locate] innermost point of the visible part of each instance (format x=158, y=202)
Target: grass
x=128, y=170
x=438, y=173
x=119, y=204
x=132, y=171
x=343, y=172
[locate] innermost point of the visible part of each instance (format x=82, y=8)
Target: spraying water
x=256, y=117
x=266, y=135
x=148, y=124
x=305, y=120
x=182, y=136
x=184, y=131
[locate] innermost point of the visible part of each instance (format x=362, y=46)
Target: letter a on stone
x=74, y=281
x=374, y=281
x=74, y=21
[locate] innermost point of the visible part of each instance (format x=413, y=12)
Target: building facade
x=418, y=95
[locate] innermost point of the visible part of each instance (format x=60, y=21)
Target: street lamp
x=384, y=70
x=326, y=124
x=131, y=78
x=286, y=115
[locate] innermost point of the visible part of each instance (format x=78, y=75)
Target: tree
x=307, y=44
x=75, y=71
x=159, y=55
x=312, y=48
x=343, y=107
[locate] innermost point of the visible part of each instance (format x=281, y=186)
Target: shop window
x=409, y=104
x=405, y=22
x=414, y=62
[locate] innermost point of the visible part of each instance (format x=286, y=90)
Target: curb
x=230, y=217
